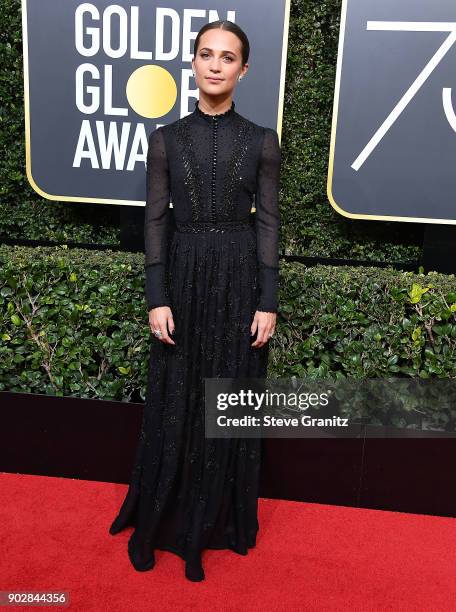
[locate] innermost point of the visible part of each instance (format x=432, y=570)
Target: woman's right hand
x=161, y=318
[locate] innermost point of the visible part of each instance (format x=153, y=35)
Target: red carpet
x=54, y=535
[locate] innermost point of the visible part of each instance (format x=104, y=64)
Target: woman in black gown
x=211, y=290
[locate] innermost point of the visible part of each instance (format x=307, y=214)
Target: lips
x=213, y=79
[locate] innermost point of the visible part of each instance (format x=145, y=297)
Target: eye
x=229, y=57
x=204, y=54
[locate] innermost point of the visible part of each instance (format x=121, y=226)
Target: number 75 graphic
x=413, y=26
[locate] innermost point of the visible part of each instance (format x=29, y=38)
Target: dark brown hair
x=229, y=26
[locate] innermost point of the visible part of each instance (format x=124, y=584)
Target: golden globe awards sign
x=393, y=142
x=100, y=77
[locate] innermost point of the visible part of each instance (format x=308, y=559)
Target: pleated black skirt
x=188, y=492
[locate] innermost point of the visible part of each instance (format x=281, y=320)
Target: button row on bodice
x=214, y=166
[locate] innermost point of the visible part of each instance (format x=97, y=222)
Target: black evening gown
x=214, y=263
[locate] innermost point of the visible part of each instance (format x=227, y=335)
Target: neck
x=214, y=105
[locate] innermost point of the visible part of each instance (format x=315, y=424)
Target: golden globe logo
x=100, y=76
x=150, y=90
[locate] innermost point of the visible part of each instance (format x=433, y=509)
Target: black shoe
x=125, y=515
x=116, y=526
x=141, y=564
x=194, y=571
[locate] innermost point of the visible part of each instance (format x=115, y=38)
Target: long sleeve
x=156, y=221
x=267, y=221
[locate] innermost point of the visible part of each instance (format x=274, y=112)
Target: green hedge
x=310, y=225
x=74, y=323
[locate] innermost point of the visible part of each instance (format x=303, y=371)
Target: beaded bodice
x=213, y=168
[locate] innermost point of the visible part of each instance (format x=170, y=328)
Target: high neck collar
x=219, y=117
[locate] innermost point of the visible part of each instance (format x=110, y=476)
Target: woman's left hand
x=265, y=323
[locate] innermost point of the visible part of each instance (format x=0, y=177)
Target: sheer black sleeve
x=156, y=221
x=267, y=220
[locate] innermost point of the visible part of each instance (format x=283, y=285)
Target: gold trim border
x=62, y=198
x=331, y=199
x=283, y=67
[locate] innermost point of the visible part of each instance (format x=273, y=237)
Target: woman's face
x=218, y=62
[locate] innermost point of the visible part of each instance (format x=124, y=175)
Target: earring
x=239, y=78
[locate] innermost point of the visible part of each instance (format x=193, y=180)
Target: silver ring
x=157, y=333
